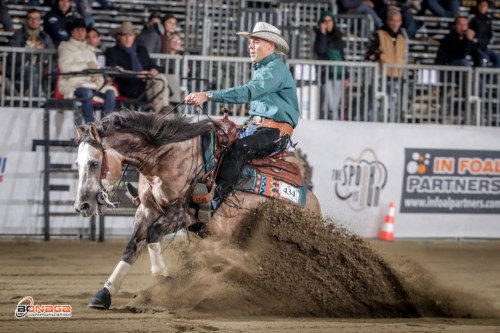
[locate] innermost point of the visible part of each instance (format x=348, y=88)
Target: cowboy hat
x=125, y=28
x=270, y=33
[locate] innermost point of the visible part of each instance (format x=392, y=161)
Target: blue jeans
x=27, y=77
x=491, y=56
x=87, y=94
x=444, y=8
x=365, y=10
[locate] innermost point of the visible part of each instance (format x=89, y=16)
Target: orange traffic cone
x=387, y=232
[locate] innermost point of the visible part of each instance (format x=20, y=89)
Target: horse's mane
x=157, y=129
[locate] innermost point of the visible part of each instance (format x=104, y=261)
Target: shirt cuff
x=217, y=96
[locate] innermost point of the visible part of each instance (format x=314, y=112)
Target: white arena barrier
x=444, y=179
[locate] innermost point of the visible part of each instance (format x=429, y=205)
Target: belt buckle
x=257, y=119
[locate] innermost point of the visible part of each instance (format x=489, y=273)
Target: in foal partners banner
x=444, y=180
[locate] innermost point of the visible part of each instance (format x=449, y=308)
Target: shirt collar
x=264, y=61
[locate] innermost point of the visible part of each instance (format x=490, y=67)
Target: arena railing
x=417, y=94
x=427, y=94
x=487, y=90
x=356, y=31
x=353, y=87
x=27, y=70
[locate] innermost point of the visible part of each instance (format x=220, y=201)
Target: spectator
x=94, y=39
x=130, y=56
x=481, y=24
x=57, y=19
x=151, y=36
x=442, y=8
x=76, y=55
x=362, y=8
x=5, y=17
x=457, y=45
x=31, y=36
x=170, y=24
x=84, y=9
x=382, y=7
x=328, y=45
x=388, y=46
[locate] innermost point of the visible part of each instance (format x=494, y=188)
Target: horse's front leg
x=144, y=218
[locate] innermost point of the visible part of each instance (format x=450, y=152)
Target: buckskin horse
x=168, y=154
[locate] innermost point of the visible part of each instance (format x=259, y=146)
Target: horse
x=167, y=153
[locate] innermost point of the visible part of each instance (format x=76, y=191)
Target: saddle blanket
x=267, y=185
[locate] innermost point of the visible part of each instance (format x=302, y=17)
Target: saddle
x=226, y=134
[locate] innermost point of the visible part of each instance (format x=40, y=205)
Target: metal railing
x=26, y=70
x=356, y=30
x=427, y=94
x=350, y=91
x=487, y=96
x=335, y=90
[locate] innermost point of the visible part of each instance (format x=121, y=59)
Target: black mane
x=157, y=129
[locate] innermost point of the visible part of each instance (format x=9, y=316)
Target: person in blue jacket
x=275, y=108
x=58, y=19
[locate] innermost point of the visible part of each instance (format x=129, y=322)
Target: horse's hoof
x=101, y=300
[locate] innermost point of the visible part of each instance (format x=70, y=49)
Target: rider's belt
x=285, y=128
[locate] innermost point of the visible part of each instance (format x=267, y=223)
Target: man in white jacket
x=76, y=55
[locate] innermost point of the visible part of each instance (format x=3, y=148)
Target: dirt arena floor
x=461, y=280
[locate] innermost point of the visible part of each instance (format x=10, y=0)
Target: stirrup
x=205, y=211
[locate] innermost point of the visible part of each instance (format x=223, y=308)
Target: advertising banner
x=443, y=179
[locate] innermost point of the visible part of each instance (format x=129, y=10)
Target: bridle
x=102, y=196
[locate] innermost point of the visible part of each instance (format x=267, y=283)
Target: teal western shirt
x=272, y=92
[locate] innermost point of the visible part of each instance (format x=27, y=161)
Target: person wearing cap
x=76, y=55
x=275, y=108
x=482, y=25
x=151, y=36
x=128, y=55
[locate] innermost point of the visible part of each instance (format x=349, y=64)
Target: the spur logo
x=361, y=180
x=27, y=307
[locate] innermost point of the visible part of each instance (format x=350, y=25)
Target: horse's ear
x=79, y=132
x=94, y=134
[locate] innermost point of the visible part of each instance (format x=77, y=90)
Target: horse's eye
x=93, y=164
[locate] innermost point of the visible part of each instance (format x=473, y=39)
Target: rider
x=275, y=108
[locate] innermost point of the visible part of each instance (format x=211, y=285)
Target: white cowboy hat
x=270, y=33
x=125, y=28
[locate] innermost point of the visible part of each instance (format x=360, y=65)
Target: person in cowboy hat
x=275, y=108
x=127, y=55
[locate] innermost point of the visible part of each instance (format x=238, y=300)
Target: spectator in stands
x=31, y=36
x=328, y=45
x=457, y=45
x=170, y=24
x=360, y=7
x=57, y=19
x=441, y=8
x=382, y=7
x=130, y=56
x=5, y=20
x=481, y=24
x=75, y=55
x=84, y=9
x=388, y=46
x=151, y=36
x=94, y=39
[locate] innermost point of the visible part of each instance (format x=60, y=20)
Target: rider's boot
x=205, y=211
